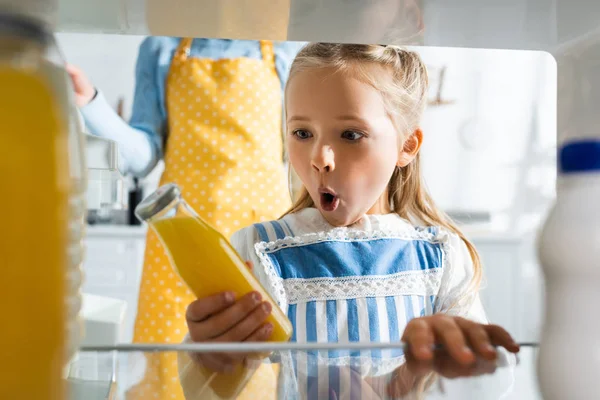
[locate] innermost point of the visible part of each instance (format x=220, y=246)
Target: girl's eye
x=352, y=135
x=302, y=134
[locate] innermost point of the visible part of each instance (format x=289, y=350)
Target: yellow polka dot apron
x=224, y=150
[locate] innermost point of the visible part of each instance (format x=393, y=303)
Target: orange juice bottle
x=208, y=264
x=35, y=196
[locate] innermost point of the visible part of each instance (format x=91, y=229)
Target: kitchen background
x=489, y=161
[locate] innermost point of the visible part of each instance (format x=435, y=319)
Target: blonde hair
x=404, y=90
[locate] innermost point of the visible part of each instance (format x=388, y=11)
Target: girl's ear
x=410, y=149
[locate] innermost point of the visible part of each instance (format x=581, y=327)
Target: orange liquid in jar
x=33, y=239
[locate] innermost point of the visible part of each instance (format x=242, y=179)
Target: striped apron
x=347, y=286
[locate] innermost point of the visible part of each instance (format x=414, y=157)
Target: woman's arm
x=140, y=142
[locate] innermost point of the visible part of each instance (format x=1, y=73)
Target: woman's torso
x=161, y=49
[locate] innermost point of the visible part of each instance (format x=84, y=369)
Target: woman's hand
x=84, y=90
x=467, y=348
x=220, y=318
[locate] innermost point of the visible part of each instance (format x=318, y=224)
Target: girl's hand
x=220, y=318
x=467, y=348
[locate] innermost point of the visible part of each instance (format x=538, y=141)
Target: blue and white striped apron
x=347, y=286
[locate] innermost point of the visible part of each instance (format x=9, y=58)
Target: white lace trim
x=346, y=235
x=275, y=281
x=423, y=283
x=291, y=291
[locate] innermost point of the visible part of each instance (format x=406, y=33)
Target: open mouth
x=329, y=201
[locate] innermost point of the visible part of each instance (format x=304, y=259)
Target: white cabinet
x=500, y=259
x=512, y=290
x=113, y=264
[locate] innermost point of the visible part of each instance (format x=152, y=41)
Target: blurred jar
x=36, y=244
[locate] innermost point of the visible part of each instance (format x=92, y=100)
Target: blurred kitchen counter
x=476, y=232
x=113, y=266
x=117, y=231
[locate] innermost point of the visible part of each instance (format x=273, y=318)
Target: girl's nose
x=323, y=159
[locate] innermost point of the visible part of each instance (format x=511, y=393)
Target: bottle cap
x=580, y=156
x=162, y=198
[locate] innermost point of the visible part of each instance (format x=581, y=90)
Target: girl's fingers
x=500, y=337
x=478, y=338
x=450, y=335
x=248, y=325
x=201, y=309
x=420, y=339
x=219, y=324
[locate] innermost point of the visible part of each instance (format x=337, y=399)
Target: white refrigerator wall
x=490, y=149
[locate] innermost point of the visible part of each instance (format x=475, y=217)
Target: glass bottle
x=208, y=264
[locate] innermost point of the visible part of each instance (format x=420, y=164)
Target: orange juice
x=34, y=236
x=208, y=264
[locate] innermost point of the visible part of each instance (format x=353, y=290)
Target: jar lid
x=162, y=198
x=23, y=26
x=580, y=156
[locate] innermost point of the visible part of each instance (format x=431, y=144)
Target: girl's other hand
x=467, y=348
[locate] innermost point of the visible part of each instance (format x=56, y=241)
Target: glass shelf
x=329, y=371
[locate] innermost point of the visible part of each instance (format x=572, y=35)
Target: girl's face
x=341, y=143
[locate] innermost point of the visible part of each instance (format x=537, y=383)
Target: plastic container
x=569, y=253
x=34, y=240
x=208, y=264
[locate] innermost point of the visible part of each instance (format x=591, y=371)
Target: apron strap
x=266, y=48
x=268, y=52
x=183, y=49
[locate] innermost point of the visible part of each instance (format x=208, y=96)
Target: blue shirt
x=140, y=141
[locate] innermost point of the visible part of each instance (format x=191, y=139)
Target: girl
x=364, y=254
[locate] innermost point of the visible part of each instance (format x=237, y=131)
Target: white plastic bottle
x=569, y=252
